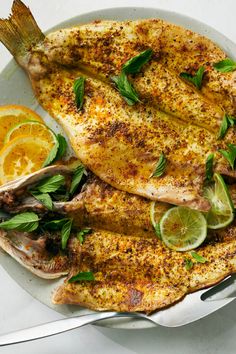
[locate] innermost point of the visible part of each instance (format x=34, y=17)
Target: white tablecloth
x=215, y=334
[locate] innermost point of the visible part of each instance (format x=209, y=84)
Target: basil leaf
x=62, y=146
x=133, y=65
x=160, y=167
x=209, y=167
x=198, y=258
x=78, y=174
x=43, y=198
x=55, y=225
x=53, y=153
x=228, y=121
x=188, y=263
x=225, y=66
x=79, y=92
x=195, y=79
x=82, y=233
x=126, y=89
x=82, y=276
x=65, y=233
x=229, y=155
x=50, y=184
x=25, y=222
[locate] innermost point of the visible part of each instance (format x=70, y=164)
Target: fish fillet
x=138, y=274
x=122, y=144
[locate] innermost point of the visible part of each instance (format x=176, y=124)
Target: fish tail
x=20, y=31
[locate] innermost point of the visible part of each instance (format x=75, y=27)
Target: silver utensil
x=193, y=307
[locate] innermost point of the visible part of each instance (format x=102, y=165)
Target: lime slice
x=221, y=213
x=183, y=229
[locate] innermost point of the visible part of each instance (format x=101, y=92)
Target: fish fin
x=20, y=31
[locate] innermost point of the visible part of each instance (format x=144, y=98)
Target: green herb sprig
x=82, y=276
x=134, y=65
x=78, y=88
x=126, y=89
x=198, y=257
x=47, y=185
x=25, y=222
x=225, y=66
x=196, y=79
x=160, y=167
x=227, y=122
x=77, y=176
x=230, y=155
x=58, y=150
x=82, y=233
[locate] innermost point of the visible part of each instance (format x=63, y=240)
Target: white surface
x=211, y=335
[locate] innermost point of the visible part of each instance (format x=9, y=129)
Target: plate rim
x=102, y=13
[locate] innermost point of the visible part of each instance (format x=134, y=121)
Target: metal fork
x=191, y=308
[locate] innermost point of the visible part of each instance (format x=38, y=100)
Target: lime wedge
x=221, y=213
x=183, y=229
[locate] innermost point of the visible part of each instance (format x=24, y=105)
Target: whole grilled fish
x=122, y=144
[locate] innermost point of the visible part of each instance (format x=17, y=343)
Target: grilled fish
x=141, y=274
x=121, y=144
x=134, y=271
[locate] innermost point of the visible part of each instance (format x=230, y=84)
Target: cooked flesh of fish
x=121, y=144
x=134, y=271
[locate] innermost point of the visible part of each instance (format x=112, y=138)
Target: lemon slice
x=11, y=115
x=31, y=128
x=183, y=229
x=21, y=156
x=221, y=213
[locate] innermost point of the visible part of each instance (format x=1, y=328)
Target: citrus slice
x=31, y=128
x=11, y=115
x=221, y=213
x=21, y=156
x=183, y=229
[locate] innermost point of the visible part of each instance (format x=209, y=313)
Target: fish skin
x=141, y=274
x=32, y=254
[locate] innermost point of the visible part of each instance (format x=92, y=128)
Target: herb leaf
x=78, y=174
x=44, y=198
x=26, y=222
x=198, y=258
x=79, y=92
x=50, y=184
x=52, y=155
x=225, y=66
x=133, y=65
x=65, y=233
x=209, y=167
x=82, y=233
x=160, y=167
x=228, y=121
x=89, y=276
x=55, y=225
x=195, y=79
x=126, y=89
x=229, y=155
x=62, y=146
x=188, y=263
